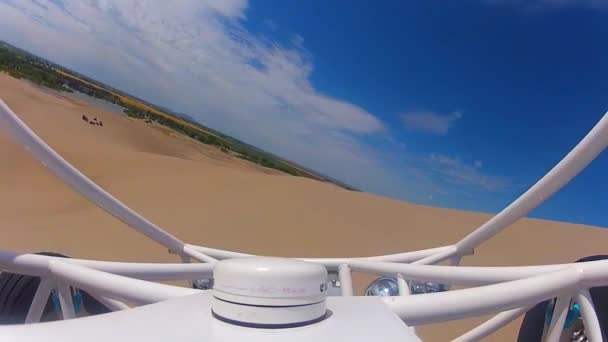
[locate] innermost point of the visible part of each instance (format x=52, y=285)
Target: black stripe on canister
x=268, y=326
x=267, y=306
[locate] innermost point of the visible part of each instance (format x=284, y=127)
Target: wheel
x=17, y=293
x=535, y=320
x=531, y=329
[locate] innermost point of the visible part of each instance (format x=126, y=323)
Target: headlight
x=203, y=284
x=387, y=286
x=418, y=287
x=383, y=286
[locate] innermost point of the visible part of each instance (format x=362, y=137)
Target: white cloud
x=430, y=122
x=196, y=57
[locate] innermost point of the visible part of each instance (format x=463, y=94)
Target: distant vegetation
x=21, y=64
x=225, y=144
x=21, y=67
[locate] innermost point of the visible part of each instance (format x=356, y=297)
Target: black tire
x=17, y=293
x=531, y=329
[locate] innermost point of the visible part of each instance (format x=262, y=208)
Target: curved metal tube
x=79, y=182
x=491, y=326
x=332, y=264
x=586, y=150
x=478, y=301
x=574, y=162
x=560, y=312
x=128, y=290
x=590, y=319
x=37, y=265
x=87, y=188
x=461, y=275
x=458, y=304
x=413, y=310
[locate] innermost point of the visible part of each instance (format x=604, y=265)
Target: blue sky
x=460, y=104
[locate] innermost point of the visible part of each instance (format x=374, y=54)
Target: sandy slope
x=207, y=197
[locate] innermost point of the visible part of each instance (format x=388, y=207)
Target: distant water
x=103, y=104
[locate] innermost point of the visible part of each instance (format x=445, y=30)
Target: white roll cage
x=507, y=291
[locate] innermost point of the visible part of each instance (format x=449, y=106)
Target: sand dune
x=214, y=199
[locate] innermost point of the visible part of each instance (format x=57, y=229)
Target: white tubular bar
x=152, y=272
x=404, y=288
x=193, y=253
x=592, y=324
x=185, y=259
x=134, y=291
x=463, y=275
x=41, y=297
x=220, y=254
x=346, y=280
x=492, y=325
x=560, y=312
x=26, y=264
x=87, y=188
x=36, y=265
x=65, y=298
x=458, y=304
x=110, y=303
x=574, y=162
x=332, y=264
x=455, y=260
x=79, y=182
x=439, y=257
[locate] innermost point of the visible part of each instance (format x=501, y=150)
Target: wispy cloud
x=197, y=57
x=453, y=170
x=430, y=122
x=270, y=24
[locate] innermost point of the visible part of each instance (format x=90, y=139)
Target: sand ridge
x=207, y=197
